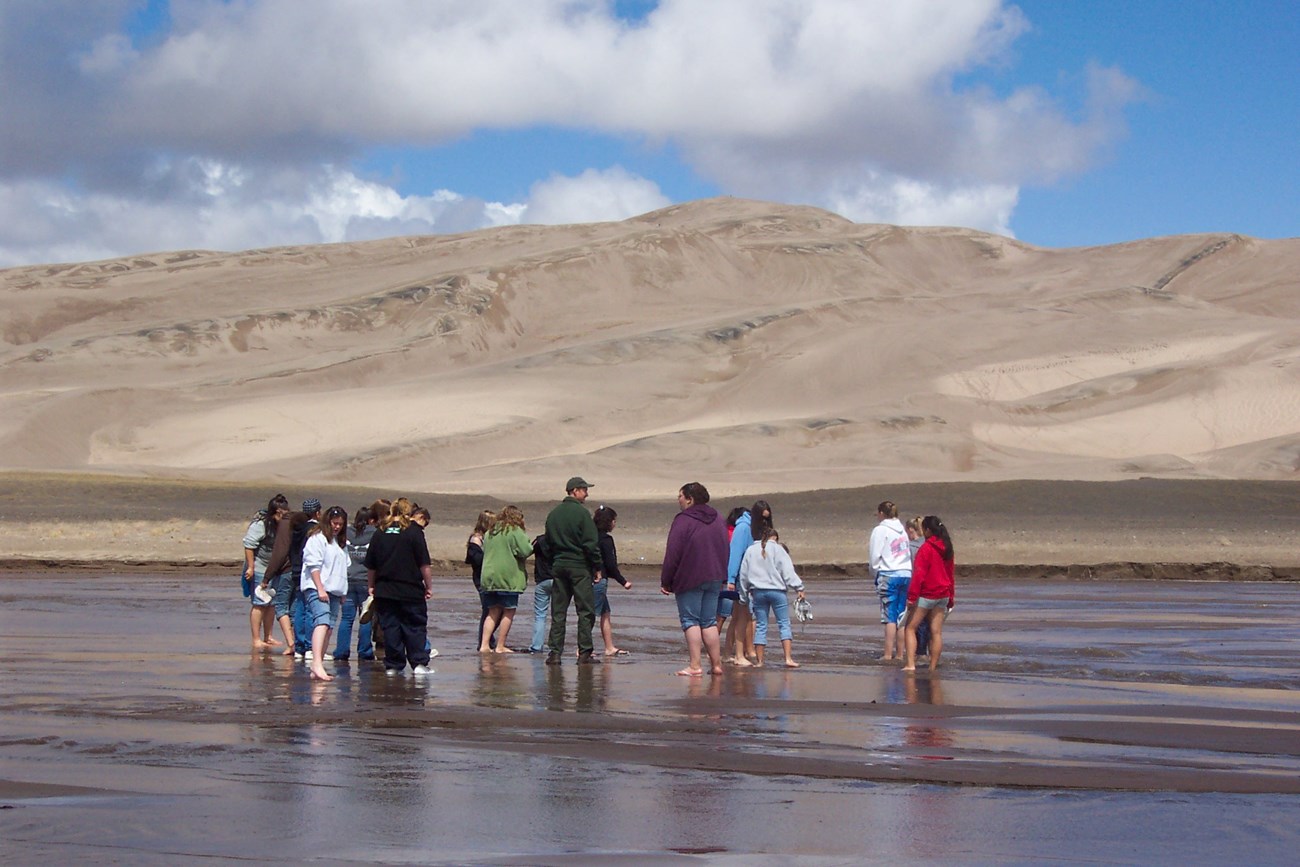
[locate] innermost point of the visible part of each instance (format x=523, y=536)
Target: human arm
x=426, y=572
x=280, y=550
x=673, y=552
x=313, y=561
x=609, y=560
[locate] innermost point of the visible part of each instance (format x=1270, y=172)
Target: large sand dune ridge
x=750, y=345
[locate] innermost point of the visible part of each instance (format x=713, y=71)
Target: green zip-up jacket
x=504, y=554
x=572, y=533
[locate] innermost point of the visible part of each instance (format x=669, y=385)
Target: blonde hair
x=511, y=516
x=769, y=535
x=915, y=526
x=486, y=519
x=399, y=514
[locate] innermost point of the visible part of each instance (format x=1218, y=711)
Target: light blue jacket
x=740, y=542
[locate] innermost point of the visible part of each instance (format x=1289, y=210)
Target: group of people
x=912, y=566
x=316, y=577
x=303, y=571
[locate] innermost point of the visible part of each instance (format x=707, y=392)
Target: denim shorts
x=258, y=572
x=895, y=595
x=322, y=612
x=500, y=599
x=699, y=605
x=282, y=585
x=726, y=605
x=600, y=594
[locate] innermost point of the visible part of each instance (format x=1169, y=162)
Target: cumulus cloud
x=235, y=121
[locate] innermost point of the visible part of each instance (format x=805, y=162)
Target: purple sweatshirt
x=697, y=550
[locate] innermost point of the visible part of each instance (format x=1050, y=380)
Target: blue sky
x=129, y=126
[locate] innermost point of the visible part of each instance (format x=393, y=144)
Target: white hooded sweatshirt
x=889, y=550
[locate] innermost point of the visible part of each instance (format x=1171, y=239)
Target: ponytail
x=932, y=526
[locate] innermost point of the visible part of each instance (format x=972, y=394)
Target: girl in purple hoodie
x=695, y=567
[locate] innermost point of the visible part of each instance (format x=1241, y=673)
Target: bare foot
x=504, y=650
x=717, y=669
x=790, y=663
x=909, y=668
x=320, y=675
x=691, y=672
x=274, y=642
x=288, y=651
x=741, y=662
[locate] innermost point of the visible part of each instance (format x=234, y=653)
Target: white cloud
x=592, y=196
x=847, y=104
x=230, y=207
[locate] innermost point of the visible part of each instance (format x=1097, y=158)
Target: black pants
x=406, y=625
x=572, y=584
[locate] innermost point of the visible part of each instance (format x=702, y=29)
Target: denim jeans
x=301, y=623
x=321, y=611
x=699, y=605
x=774, y=602
x=541, y=607
x=351, y=608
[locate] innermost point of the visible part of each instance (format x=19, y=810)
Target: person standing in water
x=694, y=568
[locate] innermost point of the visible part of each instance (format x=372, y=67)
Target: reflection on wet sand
x=177, y=745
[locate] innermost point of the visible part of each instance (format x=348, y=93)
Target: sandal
x=619, y=652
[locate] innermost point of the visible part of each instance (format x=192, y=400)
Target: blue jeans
x=301, y=624
x=541, y=607
x=351, y=607
x=699, y=605
x=767, y=602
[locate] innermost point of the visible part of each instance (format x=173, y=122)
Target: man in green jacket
x=575, y=548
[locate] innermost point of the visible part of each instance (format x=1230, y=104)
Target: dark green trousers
x=572, y=584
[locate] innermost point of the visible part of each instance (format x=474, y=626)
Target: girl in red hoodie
x=931, y=594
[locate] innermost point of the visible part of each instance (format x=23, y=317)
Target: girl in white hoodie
x=766, y=574
x=890, y=563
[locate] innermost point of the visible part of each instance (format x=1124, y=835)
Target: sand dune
x=752, y=345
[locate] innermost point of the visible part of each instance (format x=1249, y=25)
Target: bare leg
x=507, y=618
x=268, y=627
x=607, y=633
x=749, y=639
x=738, y=633
x=789, y=660
x=729, y=647
x=255, y=624
x=937, y=616
x=286, y=627
x=891, y=639
x=319, y=637
x=914, y=618
x=489, y=626
x=761, y=650
x=712, y=644
x=694, y=642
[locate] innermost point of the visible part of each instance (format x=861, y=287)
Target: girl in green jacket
x=506, y=547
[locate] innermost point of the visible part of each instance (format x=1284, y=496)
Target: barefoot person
x=605, y=519
x=695, y=565
x=890, y=562
x=324, y=583
x=767, y=574
x=474, y=559
x=933, y=592
x=506, y=550
x=259, y=540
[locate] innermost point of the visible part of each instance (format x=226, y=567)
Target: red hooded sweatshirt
x=932, y=575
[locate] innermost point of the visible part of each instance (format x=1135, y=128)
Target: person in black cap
x=575, y=561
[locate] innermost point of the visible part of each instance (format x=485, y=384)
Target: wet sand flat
x=1092, y=721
